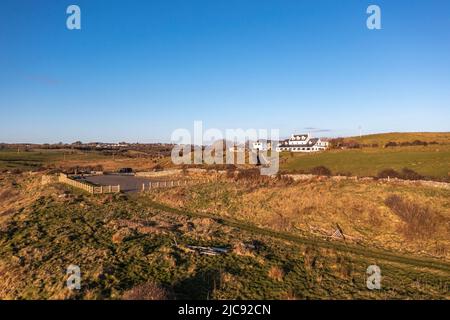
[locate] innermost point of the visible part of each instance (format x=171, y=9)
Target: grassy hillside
x=123, y=243
x=432, y=160
x=383, y=138
x=29, y=160
x=359, y=208
x=34, y=159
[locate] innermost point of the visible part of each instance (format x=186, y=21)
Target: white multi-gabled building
x=302, y=143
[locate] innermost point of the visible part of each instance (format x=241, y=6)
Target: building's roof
x=310, y=143
x=301, y=136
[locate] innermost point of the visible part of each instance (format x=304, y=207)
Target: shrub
x=406, y=174
x=388, y=173
x=409, y=174
x=352, y=145
x=419, y=143
x=248, y=174
x=390, y=144
x=420, y=221
x=321, y=171
x=147, y=291
x=336, y=143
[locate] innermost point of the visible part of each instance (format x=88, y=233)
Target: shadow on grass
x=200, y=286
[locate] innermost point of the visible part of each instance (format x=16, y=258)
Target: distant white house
x=302, y=143
x=262, y=145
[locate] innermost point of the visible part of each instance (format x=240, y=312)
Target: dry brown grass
x=276, y=273
x=300, y=207
x=121, y=235
x=242, y=250
x=140, y=164
x=289, y=295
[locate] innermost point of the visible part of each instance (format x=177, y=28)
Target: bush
x=352, y=145
x=409, y=174
x=148, y=291
x=390, y=144
x=419, y=143
x=248, y=174
x=388, y=173
x=407, y=143
x=321, y=171
x=420, y=221
x=405, y=174
x=336, y=143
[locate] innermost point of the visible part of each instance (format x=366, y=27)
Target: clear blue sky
x=137, y=70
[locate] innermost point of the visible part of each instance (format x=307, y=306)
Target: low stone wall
x=426, y=183
x=299, y=177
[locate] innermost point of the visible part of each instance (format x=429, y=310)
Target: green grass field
x=30, y=160
x=431, y=161
x=383, y=138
